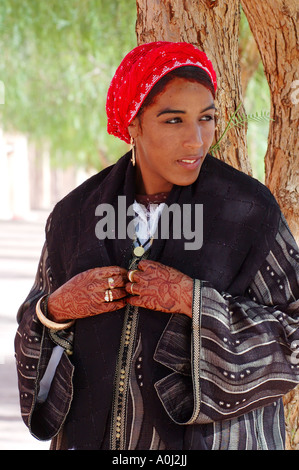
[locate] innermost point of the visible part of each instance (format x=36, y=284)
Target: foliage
x=240, y=120
x=57, y=62
x=256, y=103
x=257, y=98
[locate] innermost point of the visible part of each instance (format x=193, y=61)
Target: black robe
x=214, y=371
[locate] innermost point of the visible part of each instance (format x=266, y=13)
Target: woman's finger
x=148, y=263
x=133, y=288
x=131, y=274
x=114, y=294
x=115, y=281
x=112, y=306
x=109, y=271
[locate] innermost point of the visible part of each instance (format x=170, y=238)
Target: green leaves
x=57, y=60
x=240, y=120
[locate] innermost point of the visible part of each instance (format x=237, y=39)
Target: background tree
x=275, y=26
x=57, y=58
x=213, y=26
x=57, y=61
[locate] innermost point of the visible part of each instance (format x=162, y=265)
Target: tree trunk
x=249, y=59
x=275, y=26
x=213, y=27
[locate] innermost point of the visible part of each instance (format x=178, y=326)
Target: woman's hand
x=84, y=294
x=159, y=287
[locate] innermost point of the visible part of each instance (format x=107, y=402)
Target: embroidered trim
x=123, y=371
x=196, y=347
x=119, y=411
x=65, y=342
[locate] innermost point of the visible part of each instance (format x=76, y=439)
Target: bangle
x=48, y=323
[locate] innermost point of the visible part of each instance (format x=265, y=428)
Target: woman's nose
x=194, y=137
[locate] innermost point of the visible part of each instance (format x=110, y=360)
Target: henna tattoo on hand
x=84, y=294
x=160, y=287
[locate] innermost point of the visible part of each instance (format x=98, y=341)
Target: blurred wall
x=28, y=182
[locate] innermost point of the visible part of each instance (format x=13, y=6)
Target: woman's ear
x=134, y=128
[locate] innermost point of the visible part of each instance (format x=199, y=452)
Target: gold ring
x=130, y=275
x=111, y=283
x=108, y=295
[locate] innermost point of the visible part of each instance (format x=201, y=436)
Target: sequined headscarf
x=139, y=71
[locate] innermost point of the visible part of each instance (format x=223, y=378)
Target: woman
x=155, y=343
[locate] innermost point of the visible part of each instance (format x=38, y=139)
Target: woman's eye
x=177, y=120
x=173, y=120
x=208, y=117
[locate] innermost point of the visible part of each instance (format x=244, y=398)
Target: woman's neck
x=151, y=187
x=146, y=199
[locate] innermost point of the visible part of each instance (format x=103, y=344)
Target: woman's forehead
x=183, y=92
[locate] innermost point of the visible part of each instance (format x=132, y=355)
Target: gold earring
x=133, y=158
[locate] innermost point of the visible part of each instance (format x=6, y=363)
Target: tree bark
x=249, y=59
x=275, y=26
x=213, y=27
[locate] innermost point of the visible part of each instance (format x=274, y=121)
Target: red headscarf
x=139, y=71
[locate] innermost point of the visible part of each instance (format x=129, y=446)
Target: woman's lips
x=190, y=163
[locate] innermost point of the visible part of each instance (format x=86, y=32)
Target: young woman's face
x=173, y=136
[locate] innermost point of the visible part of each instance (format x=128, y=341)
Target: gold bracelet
x=48, y=323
